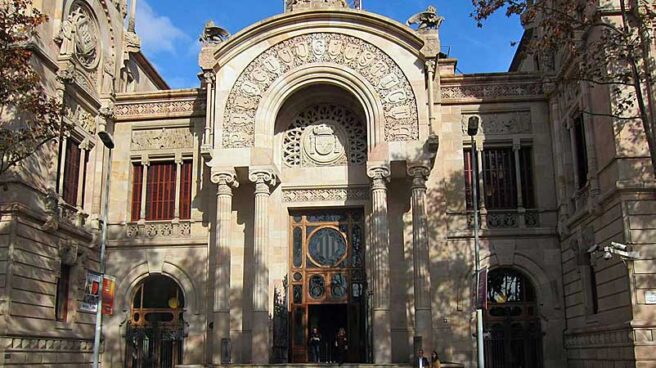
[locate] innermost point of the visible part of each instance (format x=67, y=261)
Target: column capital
x=145, y=160
x=430, y=65
x=226, y=180
x=263, y=176
x=419, y=174
x=178, y=158
x=208, y=76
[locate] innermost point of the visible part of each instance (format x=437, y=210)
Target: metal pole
x=103, y=242
x=477, y=250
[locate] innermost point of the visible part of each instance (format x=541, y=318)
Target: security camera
x=608, y=255
x=593, y=248
x=619, y=246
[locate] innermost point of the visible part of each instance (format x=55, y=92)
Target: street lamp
x=108, y=141
x=472, y=131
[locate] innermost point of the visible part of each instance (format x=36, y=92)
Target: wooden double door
x=327, y=282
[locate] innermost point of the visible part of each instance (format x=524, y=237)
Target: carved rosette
x=393, y=89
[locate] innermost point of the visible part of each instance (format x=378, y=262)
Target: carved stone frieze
x=160, y=108
x=41, y=344
x=325, y=135
x=484, y=91
x=159, y=230
x=501, y=123
x=325, y=194
x=599, y=338
x=155, y=139
x=391, y=86
x=292, y=5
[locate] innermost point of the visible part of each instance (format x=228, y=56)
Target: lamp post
x=108, y=141
x=472, y=130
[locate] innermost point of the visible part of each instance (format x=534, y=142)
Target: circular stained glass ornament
x=327, y=247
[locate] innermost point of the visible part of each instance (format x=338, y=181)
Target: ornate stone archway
x=384, y=77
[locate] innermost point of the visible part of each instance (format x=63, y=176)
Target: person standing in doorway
x=435, y=360
x=421, y=361
x=341, y=343
x=314, y=343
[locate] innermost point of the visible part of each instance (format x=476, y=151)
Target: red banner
x=108, y=294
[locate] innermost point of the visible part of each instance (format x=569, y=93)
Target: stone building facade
x=319, y=177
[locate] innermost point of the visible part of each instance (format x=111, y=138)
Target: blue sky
x=169, y=31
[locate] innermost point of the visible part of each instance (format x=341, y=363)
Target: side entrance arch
x=155, y=331
x=513, y=335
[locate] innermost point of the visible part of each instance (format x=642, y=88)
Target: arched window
x=156, y=328
x=512, y=326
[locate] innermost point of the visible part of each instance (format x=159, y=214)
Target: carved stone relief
x=155, y=139
x=82, y=118
x=392, y=87
x=153, y=109
x=79, y=36
x=501, y=123
x=484, y=91
x=325, y=194
x=325, y=135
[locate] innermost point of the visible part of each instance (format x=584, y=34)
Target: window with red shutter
x=137, y=180
x=71, y=172
x=160, y=196
x=185, y=191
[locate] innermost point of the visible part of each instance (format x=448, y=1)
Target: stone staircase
x=315, y=365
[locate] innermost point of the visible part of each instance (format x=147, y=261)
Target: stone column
x=220, y=253
x=264, y=179
x=382, y=339
x=420, y=257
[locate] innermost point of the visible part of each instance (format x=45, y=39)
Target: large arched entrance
x=512, y=326
x=155, y=330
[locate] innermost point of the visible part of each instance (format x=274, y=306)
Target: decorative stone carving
x=163, y=109
x=79, y=36
x=292, y=5
x=45, y=344
x=325, y=194
x=502, y=123
x=158, y=230
x=68, y=252
x=491, y=91
x=390, y=84
x=426, y=20
x=213, y=34
x=82, y=118
x=155, y=139
x=325, y=135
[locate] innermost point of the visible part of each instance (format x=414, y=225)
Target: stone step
x=315, y=365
